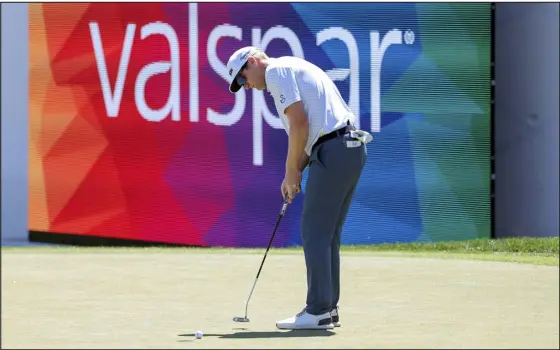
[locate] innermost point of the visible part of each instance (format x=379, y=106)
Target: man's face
x=252, y=75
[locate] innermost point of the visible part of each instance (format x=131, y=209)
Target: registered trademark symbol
x=409, y=37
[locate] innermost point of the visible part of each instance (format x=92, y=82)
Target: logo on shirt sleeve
x=282, y=99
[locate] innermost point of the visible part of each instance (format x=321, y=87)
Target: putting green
x=160, y=299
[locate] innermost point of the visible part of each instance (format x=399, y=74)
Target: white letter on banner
x=112, y=101
x=173, y=101
x=260, y=109
x=392, y=37
x=235, y=115
x=341, y=73
x=193, y=62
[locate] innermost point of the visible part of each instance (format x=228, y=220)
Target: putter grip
x=284, y=207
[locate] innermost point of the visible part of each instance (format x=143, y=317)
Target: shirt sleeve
x=283, y=87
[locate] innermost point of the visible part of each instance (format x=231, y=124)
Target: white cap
x=234, y=65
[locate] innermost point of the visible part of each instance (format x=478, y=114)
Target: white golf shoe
x=304, y=320
x=334, y=316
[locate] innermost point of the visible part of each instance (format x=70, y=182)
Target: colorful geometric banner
x=134, y=134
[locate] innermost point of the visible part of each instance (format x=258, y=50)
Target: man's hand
x=291, y=185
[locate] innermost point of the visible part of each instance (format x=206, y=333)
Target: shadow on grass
x=274, y=334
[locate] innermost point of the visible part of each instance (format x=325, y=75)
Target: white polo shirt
x=292, y=79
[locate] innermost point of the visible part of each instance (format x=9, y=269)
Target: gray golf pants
x=334, y=171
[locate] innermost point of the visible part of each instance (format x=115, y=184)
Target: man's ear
x=252, y=60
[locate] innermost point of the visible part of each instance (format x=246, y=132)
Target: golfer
x=321, y=134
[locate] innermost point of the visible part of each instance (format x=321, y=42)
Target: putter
x=245, y=319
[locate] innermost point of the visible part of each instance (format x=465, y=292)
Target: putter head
x=240, y=319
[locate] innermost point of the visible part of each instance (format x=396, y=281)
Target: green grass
x=496, y=257
x=538, y=251
x=522, y=245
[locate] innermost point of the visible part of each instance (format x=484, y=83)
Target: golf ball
x=198, y=334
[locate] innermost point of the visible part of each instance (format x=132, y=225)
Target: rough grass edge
x=537, y=251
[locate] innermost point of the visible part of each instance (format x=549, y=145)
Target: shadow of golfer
x=274, y=334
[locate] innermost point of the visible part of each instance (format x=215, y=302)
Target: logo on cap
x=230, y=71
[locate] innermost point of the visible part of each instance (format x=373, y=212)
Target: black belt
x=331, y=135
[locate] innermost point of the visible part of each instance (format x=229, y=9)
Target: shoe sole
x=328, y=326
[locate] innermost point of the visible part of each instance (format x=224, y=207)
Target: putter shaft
x=250, y=294
x=282, y=211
